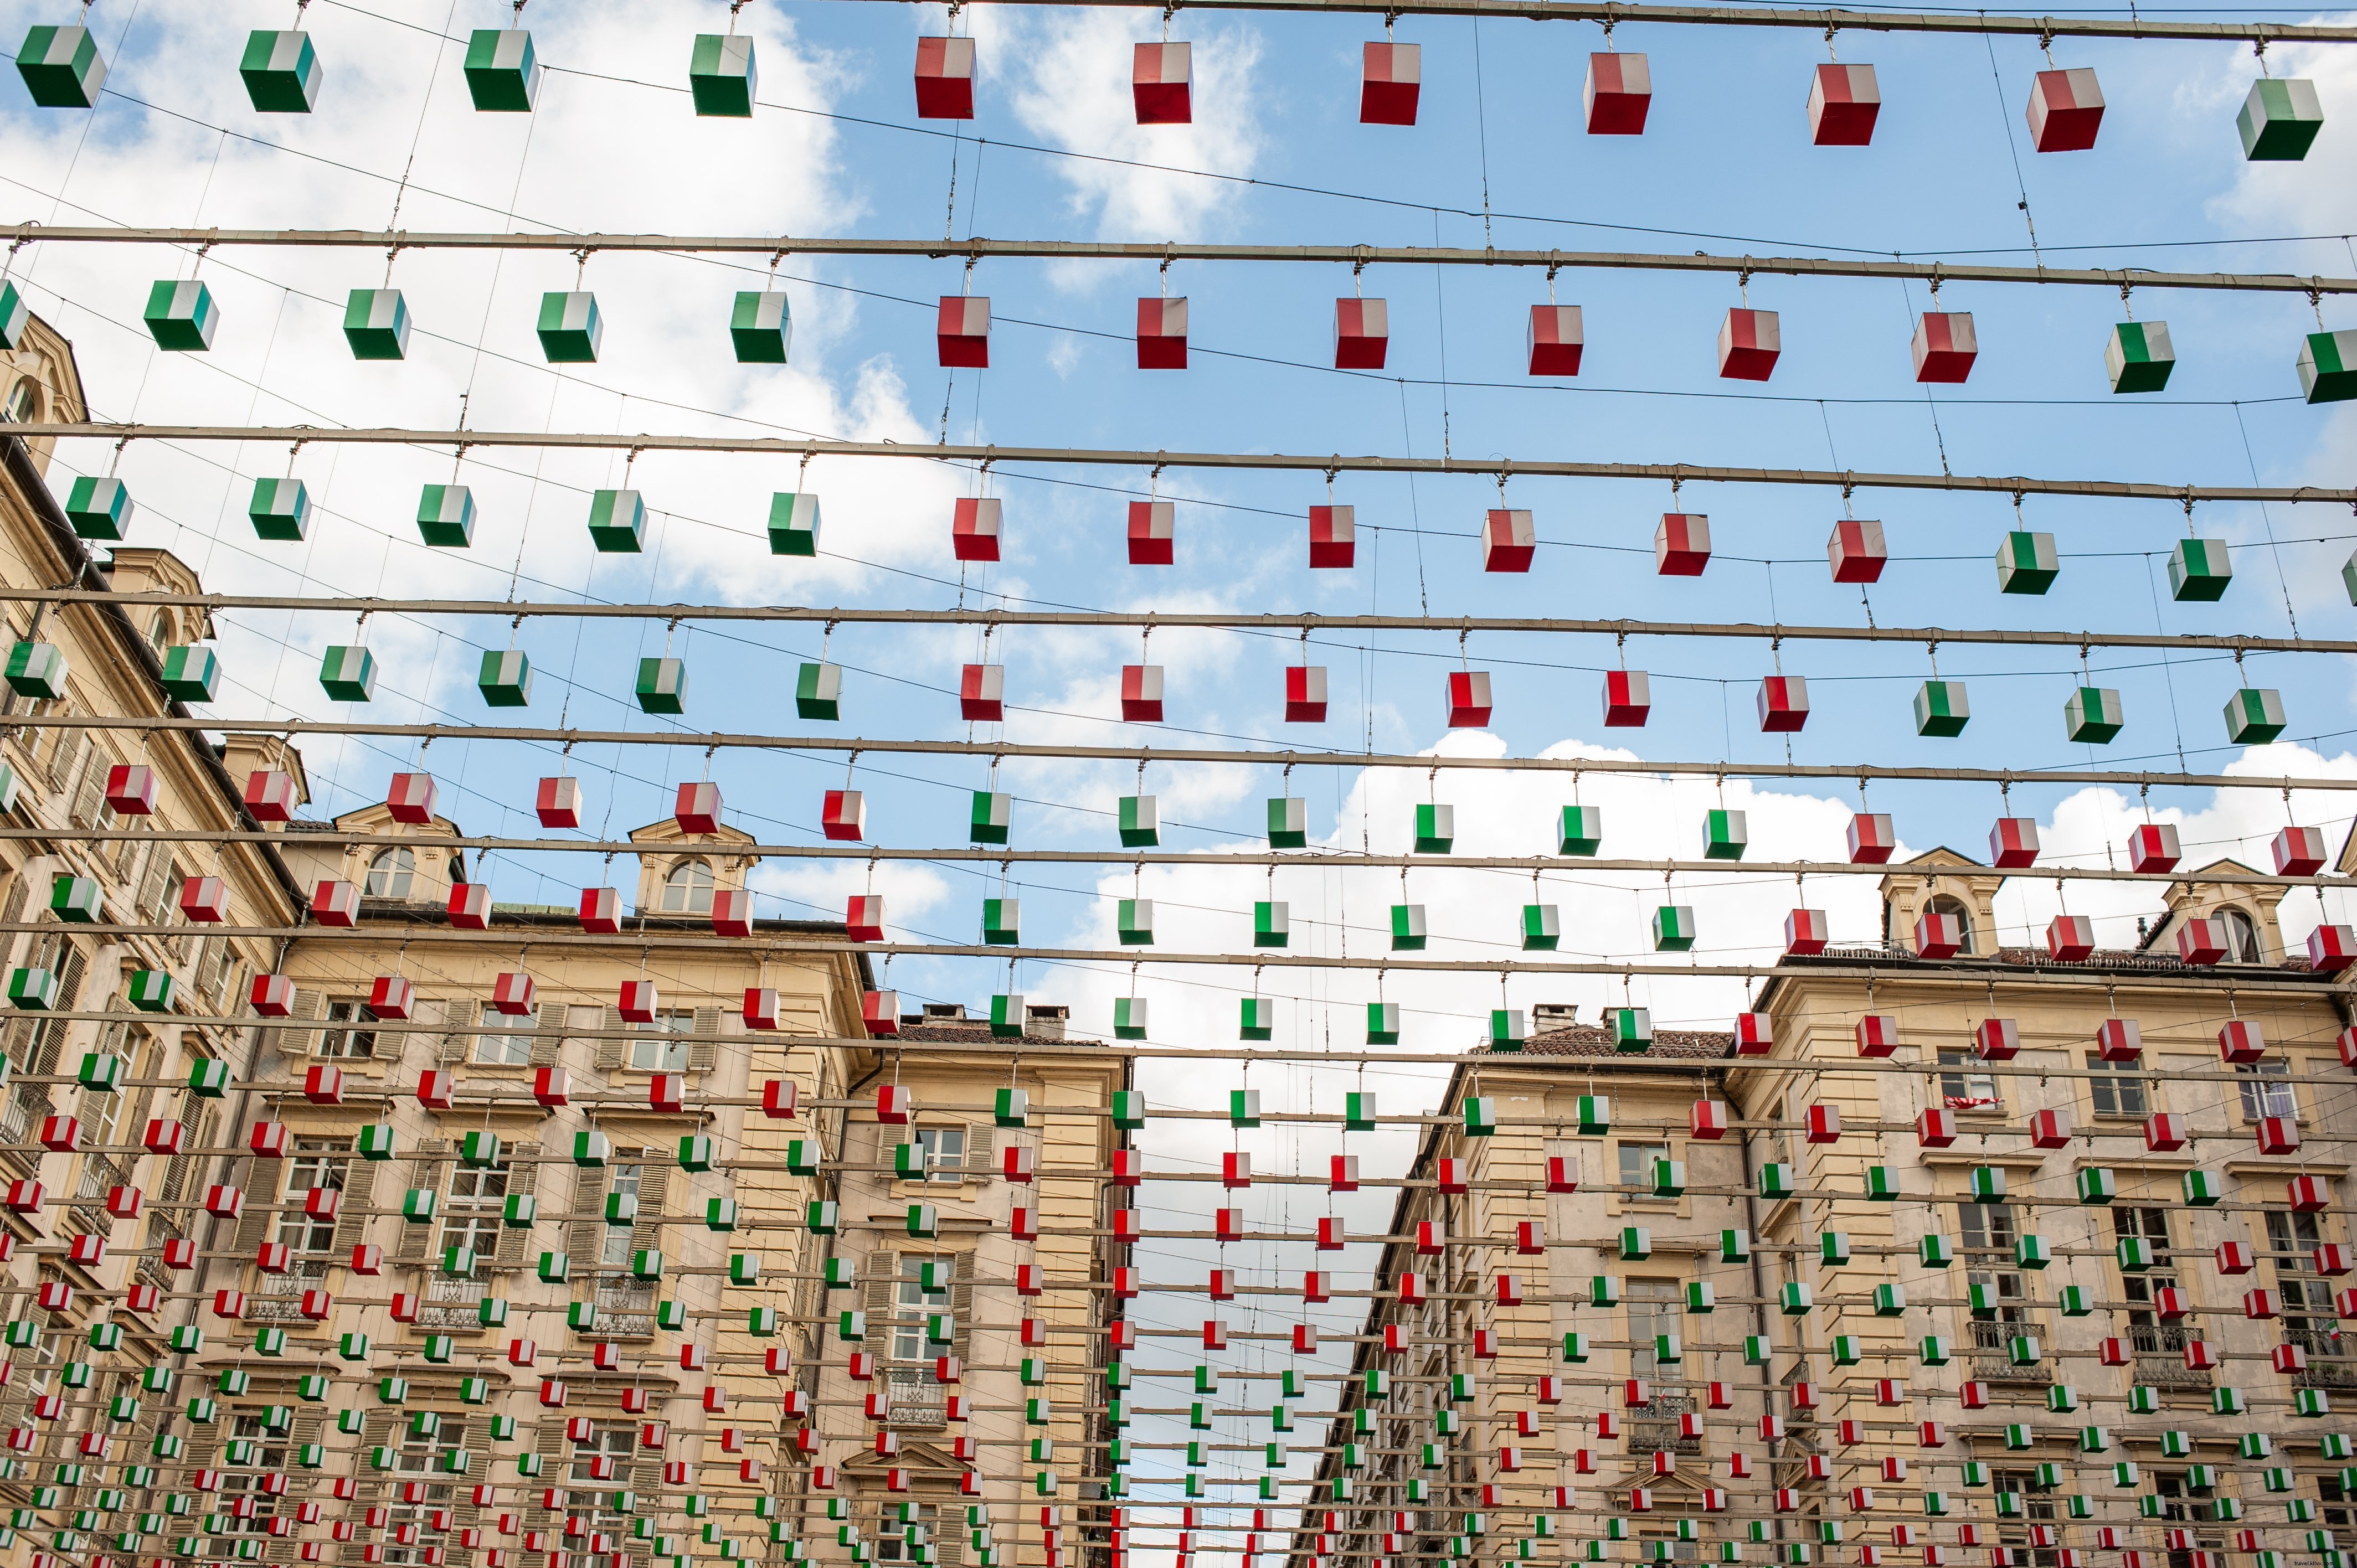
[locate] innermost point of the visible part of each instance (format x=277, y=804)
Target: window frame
x=2119, y=1086
x=397, y=866
x=354, y=1041
x=695, y=893
x=669, y=1034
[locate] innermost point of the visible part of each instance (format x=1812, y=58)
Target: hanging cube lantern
x=1871, y=841
x=281, y=508
x=1804, y=933
x=282, y=72
x=77, y=900
x=62, y=67
x=617, y=521
x=1674, y=927
x=843, y=816
x=663, y=686
x=1856, y=551
x=1725, y=834
x=2279, y=120
x=818, y=692
x=988, y=822
x=863, y=918
x=1382, y=1025
x=1580, y=829
x=2201, y=941
x=1389, y=78
x=1158, y=82
x=2013, y=842
x=2199, y=571
x=2065, y=109
x=505, y=678
x=601, y=910
x=1681, y=544
x=2254, y=716
x=503, y=72
x=409, y=798
x=982, y=693
x=1554, y=340
x=1509, y=540
x=557, y=802
x=961, y=335
x=1878, y=1035
x=1408, y=927
x=1161, y=340
x=1271, y=923
x=761, y=326
x=2119, y=1040
x=2298, y=851
x=36, y=670
x=2139, y=356
x=181, y=317
x=2027, y=564
x=2093, y=715
x=445, y=516
x=944, y=79
x=2331, y=950
x=794, y=523
x=1002, y=922
x=1141, y=693
x=1938, y=935
x=721, y=76
x=1468, y=699
x=1140, y=821
x=1333, y=538
x=1362, y=335
x=1749, y=343
x=1134, y=919
x=98, y=508
x=570, y=328
x=376, y=324
x=1257, y=1018
x=131, y=789
x=974, y=528
x=1617, y=95
x=1542, y=927
x=1152, y=533
x=1844, y=101
x=2153, y=847
x=1783, y=704
x=2328, y=363
x=1944, y=347
x=1304, y=694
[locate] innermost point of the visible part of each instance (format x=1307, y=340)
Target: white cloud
x=820, y=890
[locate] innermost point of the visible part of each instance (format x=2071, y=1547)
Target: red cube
x=2277, y=1134
x=1152, y=526
x=1162, y=334
x=2332, y=949
x=601, y=910
x=204, y=900
x=2308, y=1195
x=2066, y=107
x=435, y=1088
x=1748, y=344
x=2050, y=1130
x=2119, y=1040
x=697, y=807
x=336, y=902
x=2241, y=1041
x=410, y=797
x=973, y=529
x=879, y=1012
x=732, y=912
x=1389, y=77
x=1620, y=92
x=2201, y=941
x=2013, y=843
x=1627, y=699
x=1823, y=1124
x=391, y=997
x=843, y=815
x=1871, y=841
x=1333, y=538
x=2164, y=1132
x=638, y=1000
x=1878, y=1035
x=2236, y=1258
x=667, y=1090
x=271, y=995
x=470, y=905
x=1857, y=552
x=1935, y=1128
x=1468, y=699
x=1944, y=347
x=1707, y=1119
x=323, y=1084
x=1362, y=334
x=1844, y=103
x=1555, y=339
x=131, y=789
x=1754, y=1035
x=1562, y=1173
x=944, y=79
x=1157, y=83
x=60, y=1134
x=2299, y=852
x=982, y=693
x=1804, y=934
x=270, y=796
x=1681, y=544
x=1938, y=935
x=514, y=995
x=552, y=1087
x=558, y=802
x=1996, y=1040
x=1509, y=540
x=1141, y=693
x=961, y=331
x=2069, y=938
x=1783, y=704
x=2153, y=848
x=1304, y=694
x=863, y=918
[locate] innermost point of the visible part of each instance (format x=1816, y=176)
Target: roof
x=973, y=1031
x=1589, y=1040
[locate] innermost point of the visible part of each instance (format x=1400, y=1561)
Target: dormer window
x=159, y=632
x=1955, y=910
x=25, y=403
x=688, y=889
x=390, y=874
x=2242, y=935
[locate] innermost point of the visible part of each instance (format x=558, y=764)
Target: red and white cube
x=2153, y=848
x=1162, y=334
x=1681, y=544
x=1153, y=533
x=1618, y=94
x=2119, y=1040
x=1555, y=339
x=1755, y=1035
x=961, y=331
x=2164, y=1132
x=391, y=997
x=2065, y=110
x=2241, y=1041
x=732, y=912
x=1468, y=699
x=2332, y=949
x=1996, y=1040
x=1333, y=538
x=1748, y=344
x=1141, y=693
x=336, y=902
x=982, y=693
x=1509, y=540
x=843, y=815
x=1857, y=552
x=2050, y=1129
x=470, y=905
x=2069, y=938
x=131, y=789
x=1871, y=841
x=879, y=1012
x=204, y=900
x=697, y=807
x=1935, y=1127
x=973, y=529
x=1159, y=82
x=601, y=910
x=270, y=796
x=1362, y=334
x=409, y=798
x=2201, y=941
x=2013, y=842
x=513, y=994
x=1878, y=1035
x=1944, y=347
x=1304, y=694
x=944, y=79
x=558, y=802
x=637, y=1002
x=864, y=915
x=1390, y=78
x=1627, y=699
x=1844, y=103
x=272, y=996
x=1804, y=933
x=1783, y=704
x=1938, y=935
x=2299, y=852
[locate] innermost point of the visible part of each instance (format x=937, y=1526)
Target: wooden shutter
x=70, y=978
x=883, y=1278
x=584, y=1235
x=961, y=1301
x=704, y=1050
x=308, y=1426
x=376, y=1431
x=259, y=1180
x=63, y=757
x=458, y=1031
x=155, y=888
x=610, y=1049
x=981, y=1150
x=524, y=1178
x=11, y=909
x=89, y=797
x=547, y=1035
x=949, y=1539
x=299, y=1042
x=548, y=1442
x=654, y=1182
x=352, y=1216
x=204, y=1441
x=429, y=1172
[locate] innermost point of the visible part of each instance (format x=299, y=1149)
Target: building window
x=159, y=632
x=419, y=1457
x=389, y=874
x=1988, y=1242
x=25, y=403
x=2266, y=1090
x=504, y=1048
x=1955, y=909
x=1652, y=1310
x=1965, y=1090
x=319, y=1163
x=1637, y=1164
x=2151, y=1336
x=2309, y=1320
x=614, y=1252
x=2242, y=935
x=2036, y=1507
x=476, y=1195
x=2181, y=1505
x=349, y=1042
x=894, y=1539
x=2116, y=1094
x=688, y=889
x=945, y=1153
x=661, y=1045
x=911, y=1304
x=241, y=1486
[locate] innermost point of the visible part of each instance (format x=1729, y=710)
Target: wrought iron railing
x=1654, y=1425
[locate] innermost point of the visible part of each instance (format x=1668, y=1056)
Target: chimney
x=1046, y=1021
x=1547, y=1015
x=944, y=1013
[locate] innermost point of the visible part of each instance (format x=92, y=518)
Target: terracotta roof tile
x=1589, y=1040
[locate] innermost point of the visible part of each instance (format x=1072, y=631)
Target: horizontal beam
x=1303, y=622
x=1262, y=462
x=1000, y=751
x=1354, y=257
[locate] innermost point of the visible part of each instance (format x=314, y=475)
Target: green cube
x=2200, y=570
x=2097, y=1185
x=1256, y=1018
x=348, y=674
x=2033, y=1252
x=281, y=70
x=1580, y=830
x=2254, y=716
x=570, y=327
x=1383, y=1025
x=818, y=692
x=1288, y=823
x=1735, y=1246
x=1940, y=709
x=190, y=673
x=1129, y=1108
x=505, y=678
x=1542, y=927
x=445, y=516
x=1134, y=920
x=378, y=1142
x=1129, y=1017
x=794, y=523
x=1775, y=1180
x=1986, y=1184
x=2279, y=120
x=61, y=69
x=1271, y=923
x=1593, y=1113
x=1632, y=1028
x=1936, y=1251
x=281, y=510
x=1140, y=819
x=1408, y=927
x=36, y=670
x=181, y=317
x=663, y=686
x=1832, y=1248
x=1435, y=829
x=695, y=1152
x=1002, y=921
x=1480, y=1116
x=376, y=324
x=1725, y=835
x=720, y=76
x=2093, y=715
x=2139, y=356
x=1674, y=927
x=1889, y=1300
x=98, y=508
x=2026, y=563
x=1007, y=1015
x=989, y=820
x=2200, y=1189
x=34, y=990
x=152, y=991
x=1669, y=1178
x=503, y=71
x=77, y=900
x=1881, y=1183
x=2328, y=366
x=760, y=328
x=617, y=521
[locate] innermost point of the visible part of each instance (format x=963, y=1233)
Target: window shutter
x=155, y=890
x=353, y=1215
x=654, y=1182
x=70, y=977
x=981, y=1149
x=12, y=910
x=89, y=797
x=949, y=1545
x=63, y=757
x=376, y=1431
x=260, y=1180
x=883, y=1281
x=962, y=1302
x=299, y=1042
x=523, y=1177
x=555, y=1455
x=429, y=1173
x=646, y=1476
x=582, y=1235
x=547, y=1035
x=704, y=1052
x=458, y=1035
x=308, y=1424
x=204, y=1441
x=609, y=1049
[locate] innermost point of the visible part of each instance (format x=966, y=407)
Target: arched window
x=2242, y=935
x=458, y=871
x=389, y=874
x=25, y=403
x=688, y=889
x=159, y=632
x=1954, y=908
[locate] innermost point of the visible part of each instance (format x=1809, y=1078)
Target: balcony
x=279, y=1297
x=916, y=1401
x=1991, y=1364
x=2327, y=1366
x=632, y=1301
x=452, y=1306
x=1654, y=1425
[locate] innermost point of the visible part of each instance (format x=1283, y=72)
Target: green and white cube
x=1509, y=1028
x=1271, y=923
x=1725, y=834
x=1007, y=1015
x=98, y=508
x=1408, y=927
x=2200, y=570
x=2093, y=715
x=152, y=991
x=1135, y=919
x=2328, y=366
x=1435, y=829
x=502, y=70
x=570, y=327
x=989, y=820
x=663, y=686
x=1141, y=822
x=1256, y=1018
x=281, y=510
x=760, y=328
x=505, y=678
x=2279, y=120
x=282, y=72
x=818, y=692
x=348, y=674
x=1002, y=921
x=2027, y=564
x=617, y=521
x=1288, y=821
x=35, y=990
x=1542, y=927
x=1942, y=709
x=376, y=324
x=181, y=317
x=721, y=77
x=2139, y=356
x=1674, y=927
x=1633, y=1027
x=61, y=69
x=1382, y=1024
x=36, y=670
x=445, y=516
x=1580, y=830
x=2254, y=716
x=794, y=523
x=14, y=315
x=1129, y=1017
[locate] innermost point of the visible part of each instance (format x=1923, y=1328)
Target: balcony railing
x=1991, y=1361
x=916, y=1401
x=452, y=1304
x=633, y=1304
x=1653, y=1426
x=279, y=1299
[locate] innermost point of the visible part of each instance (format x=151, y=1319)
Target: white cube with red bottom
x=1618, y=94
